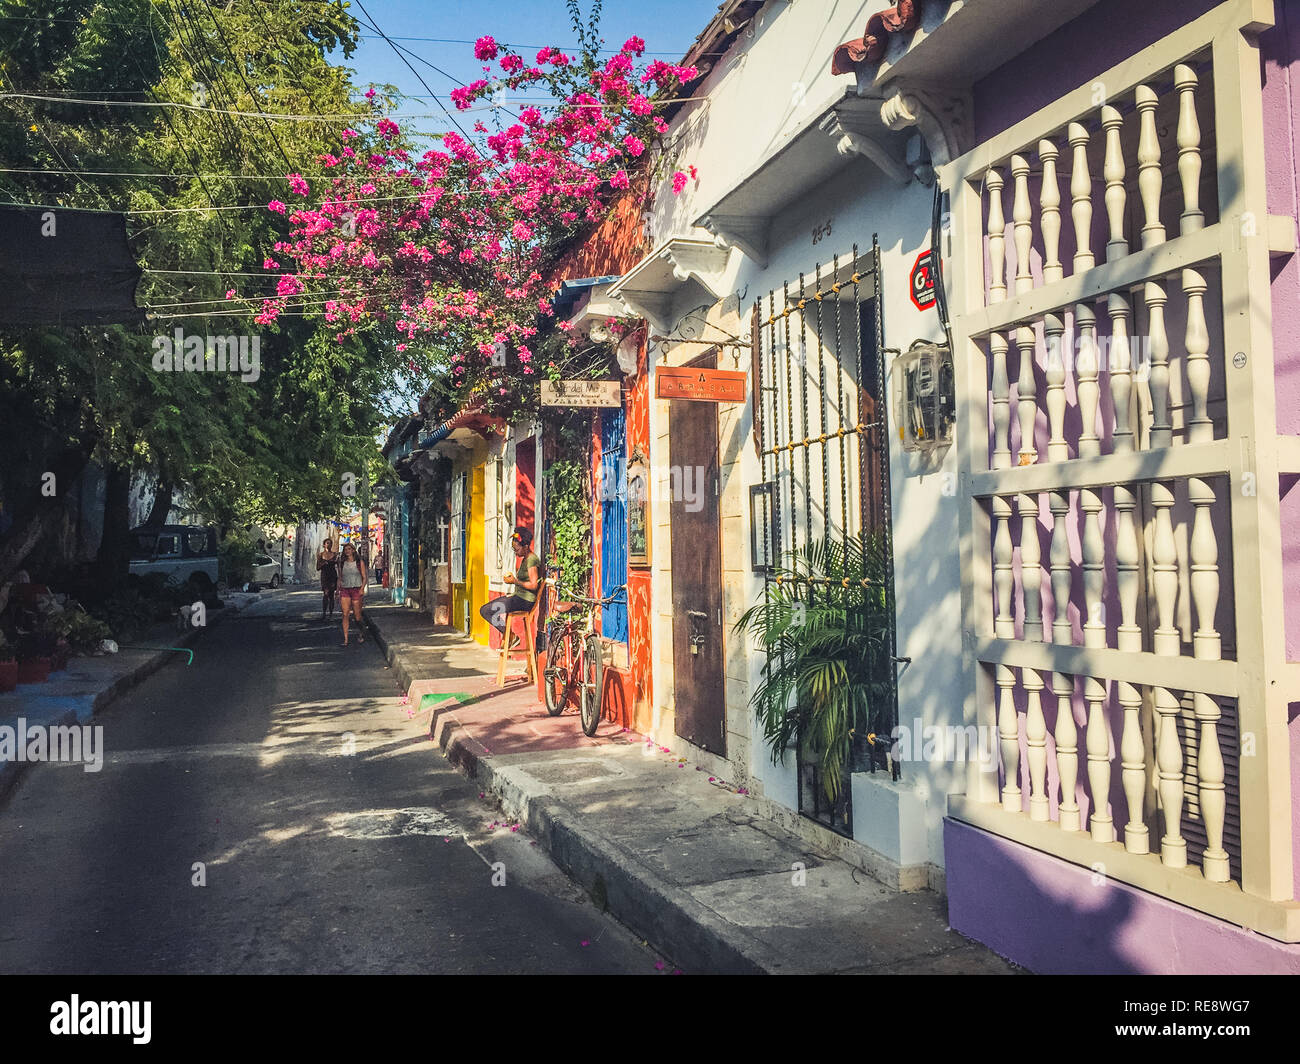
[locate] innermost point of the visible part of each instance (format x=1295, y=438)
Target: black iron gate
x=819, y=423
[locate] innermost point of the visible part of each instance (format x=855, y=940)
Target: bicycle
x=574, y=654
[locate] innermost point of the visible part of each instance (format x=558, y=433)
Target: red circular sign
x=921, y=286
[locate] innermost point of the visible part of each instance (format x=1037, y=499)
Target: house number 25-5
x=821, y=232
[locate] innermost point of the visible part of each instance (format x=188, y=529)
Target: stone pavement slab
x=678, y=855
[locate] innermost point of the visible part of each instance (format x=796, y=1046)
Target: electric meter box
x=925, y=396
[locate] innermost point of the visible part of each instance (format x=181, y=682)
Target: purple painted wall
x=1080, y=50
x=1058, y=918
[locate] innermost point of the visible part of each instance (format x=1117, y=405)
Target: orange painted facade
x=612, y=249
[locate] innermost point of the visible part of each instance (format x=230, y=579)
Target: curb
x=616, y=881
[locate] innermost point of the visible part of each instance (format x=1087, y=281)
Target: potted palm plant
x=825, y=627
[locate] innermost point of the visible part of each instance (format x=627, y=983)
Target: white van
x=180, y=552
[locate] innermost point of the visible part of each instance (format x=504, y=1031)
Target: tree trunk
x=33, y=521
x=113, y=561
x=162, y=505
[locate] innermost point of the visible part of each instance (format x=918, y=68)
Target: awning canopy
x=65, y=267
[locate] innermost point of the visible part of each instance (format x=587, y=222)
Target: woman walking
x=327, y=566
x=352, y=589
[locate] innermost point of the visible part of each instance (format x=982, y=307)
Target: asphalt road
x=332, y=835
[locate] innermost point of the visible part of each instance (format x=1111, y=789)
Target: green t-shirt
x=522, y=574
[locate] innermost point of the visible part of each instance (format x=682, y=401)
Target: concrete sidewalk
x=678, y=856
x=76, y=694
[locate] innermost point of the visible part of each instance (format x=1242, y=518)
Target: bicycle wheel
x=559, y=671
x=592, y=674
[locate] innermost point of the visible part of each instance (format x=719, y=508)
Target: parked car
x=267, y=571
x=182, y=553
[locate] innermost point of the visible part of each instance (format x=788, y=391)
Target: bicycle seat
x=564, y=607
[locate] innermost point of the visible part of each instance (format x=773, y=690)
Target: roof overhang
x=649, y=288
x=849, y=129
x=959, y=41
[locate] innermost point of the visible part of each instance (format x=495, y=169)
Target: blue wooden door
x=613, y=521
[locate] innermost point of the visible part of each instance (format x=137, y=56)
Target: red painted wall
x=611, y=249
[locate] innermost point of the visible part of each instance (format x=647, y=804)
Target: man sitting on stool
x=527, y=579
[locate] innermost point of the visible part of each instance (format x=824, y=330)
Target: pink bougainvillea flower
x=659, y=966
x=679, y=182
x=485, y=48
x=277, y=206
x=298, y=184
x=230, y=293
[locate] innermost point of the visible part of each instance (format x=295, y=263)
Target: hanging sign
x=581, y=393
x=707, y=385
x=921, y=288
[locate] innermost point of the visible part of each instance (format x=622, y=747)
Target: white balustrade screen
x=1121, y=555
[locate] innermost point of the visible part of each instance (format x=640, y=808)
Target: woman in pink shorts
x=352, y=589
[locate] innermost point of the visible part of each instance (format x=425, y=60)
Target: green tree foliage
x=264, y=450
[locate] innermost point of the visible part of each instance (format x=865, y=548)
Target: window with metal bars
x=819, y=412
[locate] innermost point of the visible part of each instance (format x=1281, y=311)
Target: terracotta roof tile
x=903, y=17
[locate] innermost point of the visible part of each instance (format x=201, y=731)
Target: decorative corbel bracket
x=653, y=306
x=855, y=130
x=749, y=233
x=941, y=116
x=704, y=262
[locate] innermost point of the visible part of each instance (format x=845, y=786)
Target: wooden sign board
x=581, y=393
x=707, y=385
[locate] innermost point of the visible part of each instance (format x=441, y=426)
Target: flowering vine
x=451, y=249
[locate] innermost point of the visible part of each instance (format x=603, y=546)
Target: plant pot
x=8, y=675
x=27, y=594
x=34, y=670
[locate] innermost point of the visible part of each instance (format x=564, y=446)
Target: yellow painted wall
x=475, y=573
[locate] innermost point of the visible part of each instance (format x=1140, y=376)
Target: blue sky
x=669, y=27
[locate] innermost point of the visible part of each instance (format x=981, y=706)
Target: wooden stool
x=527, y=648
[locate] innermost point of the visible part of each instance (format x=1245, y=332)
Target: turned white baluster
x=1129, y=639
x=1022, y=218
x=1004, y=625
x=1158, y=338
x=1066, y=733
x=1049, y=200
x=1081, y=198
x=1212, y=790
x=1097, y=739
x=1113, y=171
x=997, y=240
x=1031, y=571
x=1026, y=396
x=1167, y=643
x=1133, y=774
x=1200, y=429
x=1001, y=387
x=1150, y=180
x=1053, y=331
x=1085, y=322
x=1121, y=373
x=1036, y=745
x=1008, y=734
x=1206, y=644
x=1189, y=150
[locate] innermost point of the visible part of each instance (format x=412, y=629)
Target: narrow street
x=316, y=859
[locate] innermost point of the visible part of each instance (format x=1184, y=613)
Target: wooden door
x=698, y=672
